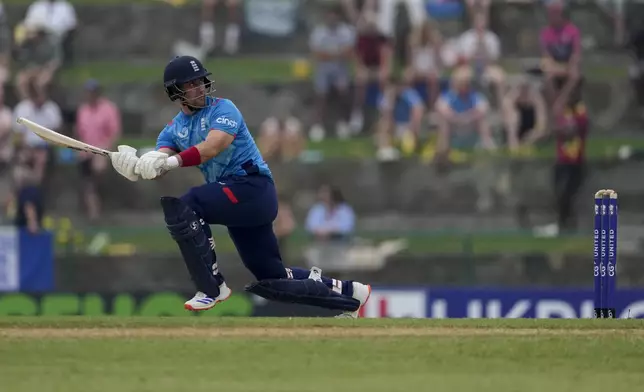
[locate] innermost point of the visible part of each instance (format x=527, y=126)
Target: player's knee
x=181, y=220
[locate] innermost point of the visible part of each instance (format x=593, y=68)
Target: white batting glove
x=151, y=165
x=124, y=162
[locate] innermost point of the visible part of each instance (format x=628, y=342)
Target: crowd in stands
x=32, y=54
x=425, y=81
x=427, y=93
x=436, y=95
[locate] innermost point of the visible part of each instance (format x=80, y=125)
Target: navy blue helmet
x=184, y=69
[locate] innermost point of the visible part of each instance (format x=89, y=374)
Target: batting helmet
x=184, y=69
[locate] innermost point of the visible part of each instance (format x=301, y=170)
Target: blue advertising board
x=495, y=302
x=26, y=261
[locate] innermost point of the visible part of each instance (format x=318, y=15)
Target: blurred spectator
x=98, y=122
x=38, y=59
x=28, y=195
x=561, y=52
x=479, y=7
x=331, y=45
x=463, y=125
x=462, y=109
x=450, y=53
x=38, y=108
x=359, y=12
x=6, y=134
x=401, y=115
x=284, y=224
x=481, y=49
x=281, y=139
x=387, y=12
x=207, y=29
x=373, y=62
x=354, y=10
x=424, y=64
x=281, y=136
x=5, y=46
x=636, y=69
x=524, y=115
x=571, y=130
x=58, y=18
x=331, y=218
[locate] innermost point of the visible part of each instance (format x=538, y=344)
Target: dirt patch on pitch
x=294, y=333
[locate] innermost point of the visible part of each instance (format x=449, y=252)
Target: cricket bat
x=56, y=138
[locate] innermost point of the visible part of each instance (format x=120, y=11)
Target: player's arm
x=216, y=142
x=218, y=138
x=165, y=141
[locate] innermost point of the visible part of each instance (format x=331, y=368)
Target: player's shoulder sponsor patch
x=223, y=120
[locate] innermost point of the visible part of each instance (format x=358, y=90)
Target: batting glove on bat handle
x=151, y=165
x=124, y=162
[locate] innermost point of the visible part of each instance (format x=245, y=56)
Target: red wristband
x=190, y=157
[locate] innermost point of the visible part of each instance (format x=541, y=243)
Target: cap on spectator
x=92, y=85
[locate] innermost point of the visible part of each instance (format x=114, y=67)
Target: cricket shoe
x=361, y=292
x=203, y=302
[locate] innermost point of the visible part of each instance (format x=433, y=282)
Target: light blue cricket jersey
x=185, y=131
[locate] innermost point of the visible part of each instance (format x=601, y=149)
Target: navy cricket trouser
x=247, y=206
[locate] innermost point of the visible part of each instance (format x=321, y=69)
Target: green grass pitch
x=309, y=355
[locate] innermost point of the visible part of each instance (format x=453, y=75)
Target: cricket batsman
x=239, y=193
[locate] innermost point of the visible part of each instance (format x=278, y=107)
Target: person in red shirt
x=571, y=131
x=98, y=122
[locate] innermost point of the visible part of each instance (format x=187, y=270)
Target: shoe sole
x=193, y=309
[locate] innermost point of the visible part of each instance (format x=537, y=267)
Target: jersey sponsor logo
x=226, y=121
x=183, y=133
x=204, y=126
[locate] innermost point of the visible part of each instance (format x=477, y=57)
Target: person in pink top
x=561, y=52
x=98, y=122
